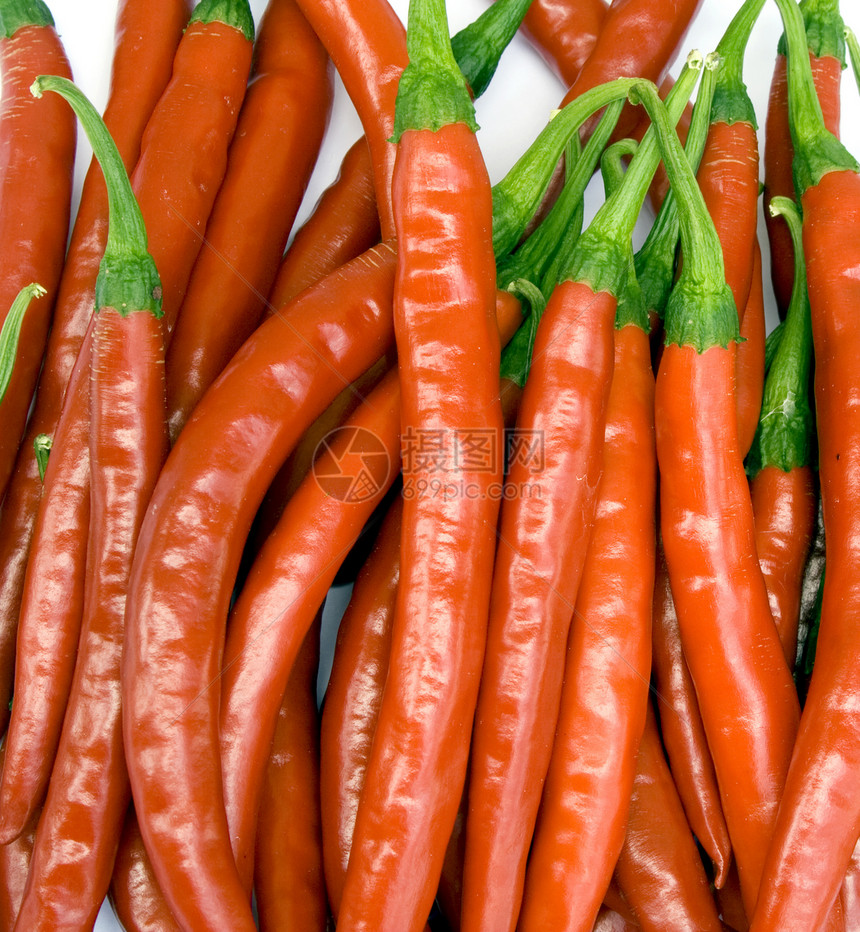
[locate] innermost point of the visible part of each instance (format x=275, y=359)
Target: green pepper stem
x=432, y=92
x=15, y=14
x=42, y=444
x=517, y=195
x=655, y=261
x=11, y=332
x=479, y=46
x=731, y=100
x=128, y=280
x=235, y=13
x=816, y=150
x=612, y=164
x=854, y=53
x=785, y=429
x=701, y=311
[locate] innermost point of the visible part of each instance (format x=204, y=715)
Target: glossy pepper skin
x=37, y=150
x=280, y=128
x=351, y=708
x=749, y=358
x=186, y=562
x=581, y=824
x=637, y=39
x=14, y=868
x=367, y=43
x=289, y=884
x=682, y=730
x=285, y=587
x=448, y=359
x=146, y=36
x=565, y=32
x=826, y=58
x=208, y=83
x=88, y=794
x=659, y=869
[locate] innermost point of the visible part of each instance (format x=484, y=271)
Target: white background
x=511, y=113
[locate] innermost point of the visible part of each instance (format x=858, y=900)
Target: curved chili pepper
x=819, y=816
x=88, y=794
x=275, y=386
x=542, y=544
x=746, y=694
x=179, y=134
x=367, y=43
x=289, y=884
x=344, y=223
x=827, y=58
x=682, y=729
x=583, y=810
x=278, y=135
x=782, y=483
x=565, y=32
x=659, y=869
x=448, y=358
x=731, y=903
x=749, y=358
x=37, y=151
x=850, y=891
x=146, y=39
x=351, y=707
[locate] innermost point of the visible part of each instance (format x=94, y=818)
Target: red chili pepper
x=37, y=150
x=850, y=892
x=565, y=32
x=88, y=794
x=210, y=74
x=782, y=483
x=448, y=357
x=134, y=893
x=289, y=884
x=610, y=921
x=146, y=39
x=581, y=825
x=638, y=38
x=826, y=46
x=345, y=223
x=278, y=135
x=14, y=868
x=367, y=43
x=543, y=540
x=351, y=707
x=683, y=732
x=746, y=694
x=659, y=869
x=819, y=816
x=221, y=465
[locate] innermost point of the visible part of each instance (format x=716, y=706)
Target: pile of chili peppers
x=599, y=668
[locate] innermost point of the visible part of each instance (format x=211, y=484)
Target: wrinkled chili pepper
x=146, y=36
x=198, y=98
x=37, y=150
x=782, y=483
x=88, y=794
x=442, y=202
x=819, y=817
x=14, y=868
x=826, y=47
x=278, y=135
x=536, y=577
x=289, y=883
x=746, y=694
